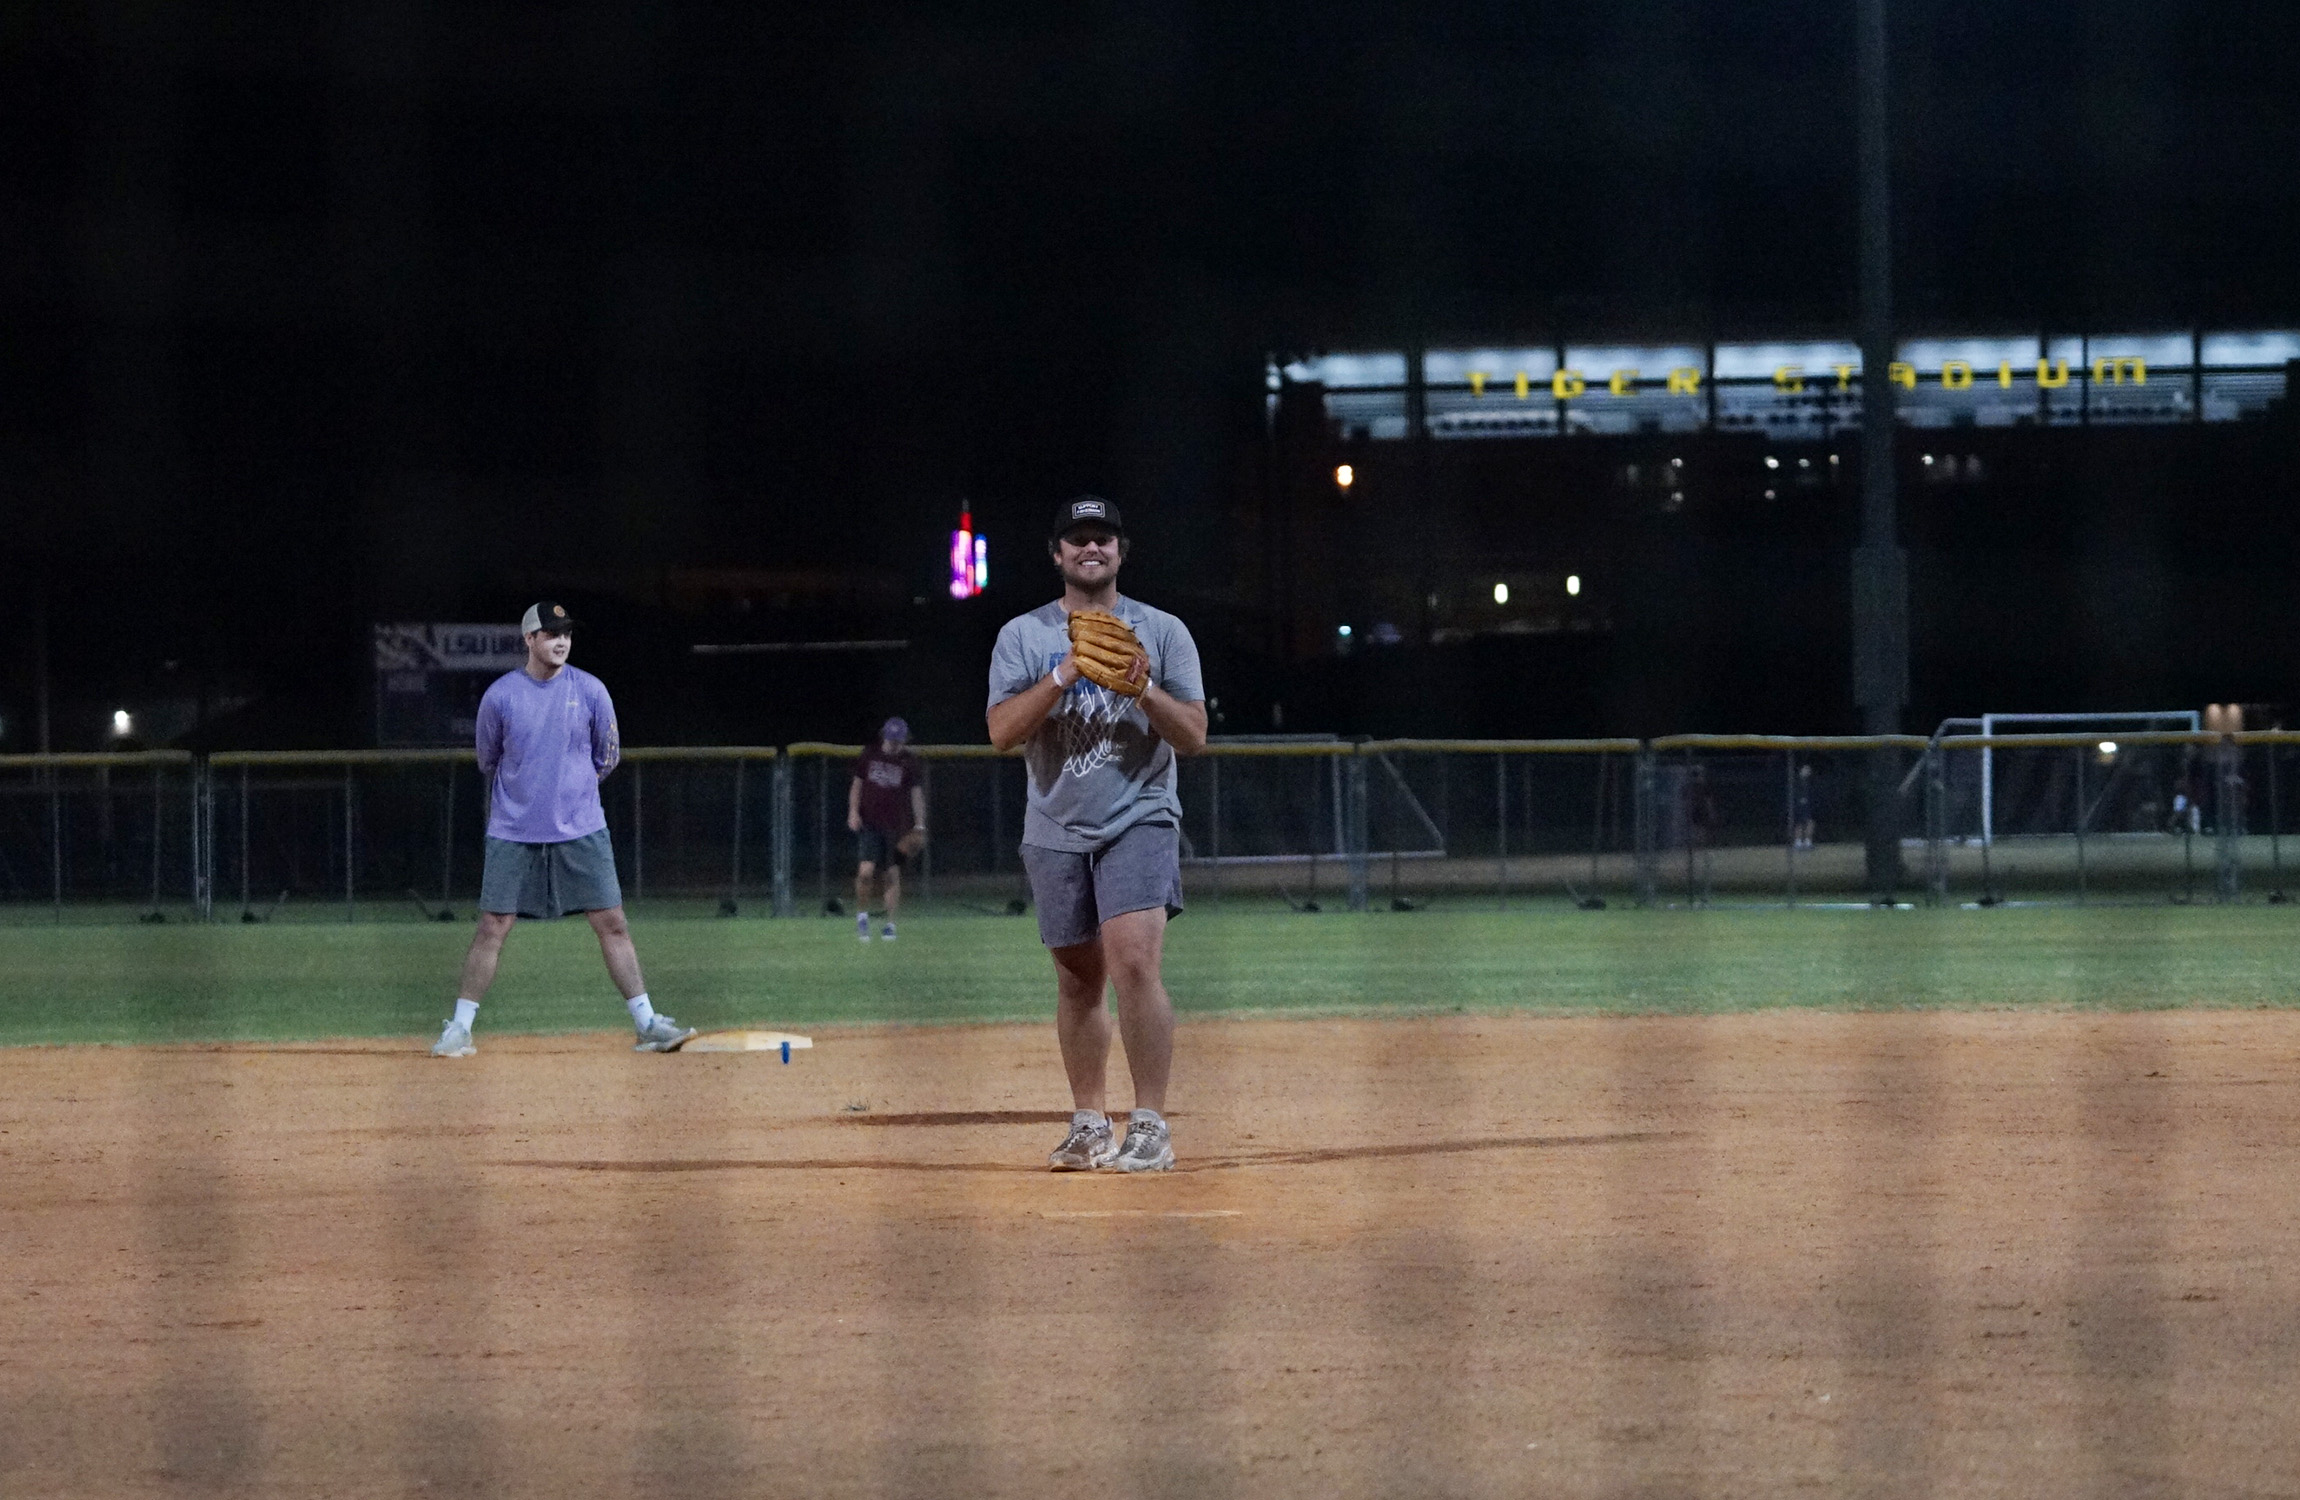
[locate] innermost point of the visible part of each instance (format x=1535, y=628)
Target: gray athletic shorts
x=1076, y=893
x=550, y=880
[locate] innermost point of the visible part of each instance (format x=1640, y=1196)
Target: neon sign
x=969, y=559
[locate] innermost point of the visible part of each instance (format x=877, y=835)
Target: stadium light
x=1345, y=630
x=121, y=723
x=1573, y=583
x=1344, y=476
x=1501, y=593
x=2107, y=749
x=1771, y=462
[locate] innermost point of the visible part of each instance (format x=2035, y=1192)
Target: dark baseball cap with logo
x=546, y=616
x=1086, y=510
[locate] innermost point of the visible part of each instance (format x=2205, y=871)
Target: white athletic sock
x=642, y=1011
x=466, y=1012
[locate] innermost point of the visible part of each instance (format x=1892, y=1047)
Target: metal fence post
x=784, y=905
x=1646, y=815
x=245, y=909
x=447, y=840
x=2275, y=832
x=1214, y=814
x=2080, y=822
x=1501, y=829
x=55, y=840
x=350, y=854
x=2228, y=877
x=158, y=806
x=1936, y=823
x=730, y=906
x=1355, y=774
x=203, y=843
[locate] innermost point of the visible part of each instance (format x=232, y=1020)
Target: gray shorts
x=550, y=880
x=1077, y=893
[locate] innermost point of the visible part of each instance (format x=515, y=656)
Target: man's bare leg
x=1133, y=950
x=863, y=873
x=616, y=947
x=486, y=951
x=1082, y=1021
x=893, y=887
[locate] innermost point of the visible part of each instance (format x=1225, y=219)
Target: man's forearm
x=1181, y=725
x=1018, y=718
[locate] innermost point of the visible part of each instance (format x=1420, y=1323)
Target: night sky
x=708, y=318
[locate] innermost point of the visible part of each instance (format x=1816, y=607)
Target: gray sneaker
x=662, y=1034
x=455, y=1041
x=1090, y=1144
x=1147, y=1147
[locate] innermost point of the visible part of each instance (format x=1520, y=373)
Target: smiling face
x=547, y=651
x=1088, y=557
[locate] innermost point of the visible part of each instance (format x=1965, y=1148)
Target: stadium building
x=1653, y=537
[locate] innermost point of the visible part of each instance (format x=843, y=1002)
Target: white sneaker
x=1147, y=1148
x=662, y=1034
x=862, y=927
x=455, y=1041
x=886, y=933
x=1089, y=1145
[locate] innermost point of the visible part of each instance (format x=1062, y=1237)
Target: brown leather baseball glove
x=911, y=842
x=1106, y=650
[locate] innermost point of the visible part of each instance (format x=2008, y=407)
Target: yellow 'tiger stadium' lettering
x=1956, y=375
x=1567, y=384
x=2052, y=374
x=1685, y=380
x=1621, y=382
x=1789, y=378
x=2112, y=368
x=1902, y=375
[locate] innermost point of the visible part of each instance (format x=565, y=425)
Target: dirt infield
x=1970, y=1254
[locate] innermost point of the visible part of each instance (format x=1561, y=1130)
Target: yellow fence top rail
x=77, y=760
x=225, y=759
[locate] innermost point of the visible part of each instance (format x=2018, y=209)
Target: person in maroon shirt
x=880, y=815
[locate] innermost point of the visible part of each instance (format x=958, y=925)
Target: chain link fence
x=1312, y=824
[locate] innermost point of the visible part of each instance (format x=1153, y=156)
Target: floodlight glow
x=1573, y=583
x=120, y=721
x=1501, y=593
x=981, y=563
x=1345, y=630
x=2108, y=747
x=1344, y=476
x=1772, y=462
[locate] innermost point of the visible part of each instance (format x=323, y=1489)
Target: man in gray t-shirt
x=1102, y=831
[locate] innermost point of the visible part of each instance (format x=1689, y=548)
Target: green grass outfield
x=283, y=982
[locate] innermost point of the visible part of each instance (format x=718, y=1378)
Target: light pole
x=1880, y=572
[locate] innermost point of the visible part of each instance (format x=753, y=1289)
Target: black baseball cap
x=1085, y=510
x=546, y=616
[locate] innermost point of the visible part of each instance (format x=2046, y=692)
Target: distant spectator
x=888, y=825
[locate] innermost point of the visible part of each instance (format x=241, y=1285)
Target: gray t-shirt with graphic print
x=1096, y=766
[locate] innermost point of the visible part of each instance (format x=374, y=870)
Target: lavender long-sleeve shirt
x=545, y=746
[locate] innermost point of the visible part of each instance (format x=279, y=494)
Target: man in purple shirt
x=546, y=740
